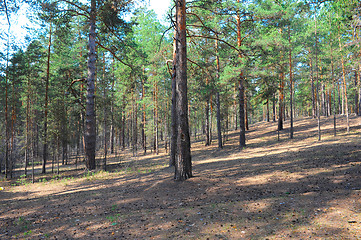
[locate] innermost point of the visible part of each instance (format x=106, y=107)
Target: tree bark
x=334, y=93
x=356, y=94
x=267, y=115
x=242, y=135
x=312, y=88
x=7, y=133
x=183, y=165
x=174, y=130
x=207, y=122
x=144, y=119
x=219, y=129
x=241, y=89
x=218, y=102
x=274, y=107
x=280, y=102
x=112, y=130
x=291, y=83
x=90, y=125
x=45, y=150
x=317, y=86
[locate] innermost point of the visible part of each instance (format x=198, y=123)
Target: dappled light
x=303, y=188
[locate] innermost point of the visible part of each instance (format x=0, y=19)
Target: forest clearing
x=287, y=189
x=220, y=119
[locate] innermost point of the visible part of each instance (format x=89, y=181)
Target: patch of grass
x=22, y=223
x=21, y=181
x=27, y=233
x=114, y=218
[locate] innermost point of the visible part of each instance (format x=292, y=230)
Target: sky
x=19, y=23
x=160, y=7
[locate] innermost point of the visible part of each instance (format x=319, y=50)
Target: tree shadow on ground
x=302, y=190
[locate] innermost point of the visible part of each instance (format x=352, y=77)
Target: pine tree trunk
x=317, y=86
x=174, y=133
x=359, y=91
x=45, y=150
x=156, y=120
x=218, y=102
x=356, y=94
x=242, y=135
x=183, y=164
x=274, y=107
x=7, y=133
x=312, y=87
x=112, y=130
x=207, y=123
x=219, y=129
x=105, y=136
x=235, y=108
x=90, y=125
x=144, y=139
x=345, y=94
x=241, y=89
x=246, y=106
x=291, y=84
x=280, y=102
x=267, y=115
x=105, y=126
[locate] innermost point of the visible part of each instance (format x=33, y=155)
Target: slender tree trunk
x=246, y=107
x=267, y=116
x=57, y=155
x=27, y=145
x=242, y=138
x=345, y=94
x=45, y=150
x=356, y=95
x=144, y=119
x=112, y=130
x=7, y=133
x=105, y=137
x=312, y=88
x=90, y=125
x=280, y=102
x=317, y=87
x=334, y=92
x=174, y=129
x=218, y=102
x=156, y=120
x=53, y=159
x=359, y=91
x=241, y=88
x=219, y=129
x=207, y=123
x=339, y=98
x=291, y=83
x=274, y=107
x=105, y=126
x=183, y=165
x=235, y=108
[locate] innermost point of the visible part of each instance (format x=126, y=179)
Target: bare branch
x=114, y=55
x=7, y=14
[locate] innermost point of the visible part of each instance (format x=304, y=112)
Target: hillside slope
x=272, y=189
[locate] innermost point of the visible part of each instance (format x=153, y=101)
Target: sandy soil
x=287, y=189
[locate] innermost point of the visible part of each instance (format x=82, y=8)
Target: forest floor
x=287, y=189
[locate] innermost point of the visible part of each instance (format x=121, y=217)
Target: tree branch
x=73, y=4
x=7, y=14
x=215, y=38
x=114, y=55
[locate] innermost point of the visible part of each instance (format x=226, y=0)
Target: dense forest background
x=98, y=77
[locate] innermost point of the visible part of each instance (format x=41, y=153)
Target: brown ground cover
x=286, y=189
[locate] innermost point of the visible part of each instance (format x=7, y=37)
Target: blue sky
x=19, y=23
